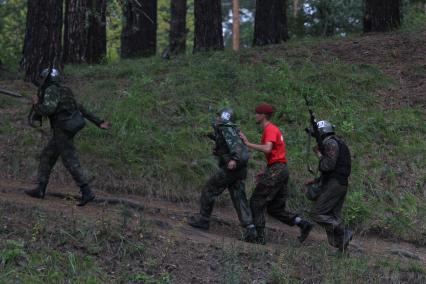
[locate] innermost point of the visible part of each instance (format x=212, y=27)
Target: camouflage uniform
x=228, y=146
x=335, y=166
x=271, y=193
x=57, y=101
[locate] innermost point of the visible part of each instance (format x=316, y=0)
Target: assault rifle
x=312, y=131
x=34, y=117
x=212, y=135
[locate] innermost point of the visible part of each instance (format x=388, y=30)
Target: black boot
x=347, y=237
x=37, y=192
x=86, y=195
x=199, y=222
x=260, y=239
x=250, y=235
x=305, y=229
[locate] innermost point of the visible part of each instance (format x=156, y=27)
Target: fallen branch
x=405, y=253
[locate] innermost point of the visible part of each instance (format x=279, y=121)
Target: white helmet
x=325, y=127
x=52, y=73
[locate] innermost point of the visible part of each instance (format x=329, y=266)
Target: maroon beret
x=264, y=108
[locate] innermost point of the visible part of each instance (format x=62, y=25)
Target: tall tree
x=235, y=25
x=208, y=33
x=43, y=35
x=327, y=17
x=270, y=24
x=177, y=35
x=75, y=31
x=382, y=15
x=295, y=8
x=85, y=31
x=96, y=33
x=139, y=33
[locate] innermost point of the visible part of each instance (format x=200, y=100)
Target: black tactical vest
x=343, y=164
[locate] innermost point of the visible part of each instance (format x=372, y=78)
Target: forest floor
x=184, y=254
x=54, y=241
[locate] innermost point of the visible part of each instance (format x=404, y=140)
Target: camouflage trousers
x=326, y=211
x=234, y=181
x=61, y=144
x=271, y=195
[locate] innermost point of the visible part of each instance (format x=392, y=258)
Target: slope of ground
x=372, y=87
x=101, y=242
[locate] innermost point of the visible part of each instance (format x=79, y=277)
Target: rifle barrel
x=12, y=94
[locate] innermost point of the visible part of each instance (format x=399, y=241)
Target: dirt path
x=168, y=216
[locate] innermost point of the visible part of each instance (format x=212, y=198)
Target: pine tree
x=43, y=36
x=270, y=24
x=208, y=33
x=139, y=34
x=382, y=15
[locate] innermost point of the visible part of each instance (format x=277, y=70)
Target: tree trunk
x=326, y=18
x=85, y=31
x=270, y=24
x=42, y=44
x=139, y=33
x=382, y=15
x=295, y=8
x=208, y=33
x=96, y=31
x=235, y=25
x=177, y=35
x=75, y=31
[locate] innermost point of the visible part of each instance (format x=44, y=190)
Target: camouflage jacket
x=57, y=100
x=328, y=160
x=229, y=146
x=335, y=161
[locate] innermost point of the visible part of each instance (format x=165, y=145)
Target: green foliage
x=414, y=15
x=12, y=30
x=114, y=17
x=143, y=277
x=13, y=251
x=357, y=210
x=48, y=266
x=326, y=18
x=315, y=18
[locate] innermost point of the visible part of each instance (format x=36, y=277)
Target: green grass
x=47, y=266
x=159, y=111
x=415, y=18
x=38, y=246
x=161, y=117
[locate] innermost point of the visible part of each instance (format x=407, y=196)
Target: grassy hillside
x=159, y=110
x=38, y=245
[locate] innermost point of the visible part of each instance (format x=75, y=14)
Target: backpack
x=70, y=118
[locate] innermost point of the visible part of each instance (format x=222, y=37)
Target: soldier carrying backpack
x=67, y=118
x=233, y=157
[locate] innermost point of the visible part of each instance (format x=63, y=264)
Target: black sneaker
x=199, y=222
x=305, y=229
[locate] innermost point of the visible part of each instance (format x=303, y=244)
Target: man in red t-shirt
x=271, y=190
